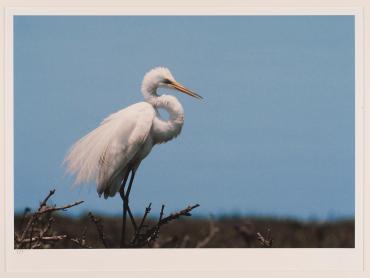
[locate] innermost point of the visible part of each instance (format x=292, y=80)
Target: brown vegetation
x=48, y=228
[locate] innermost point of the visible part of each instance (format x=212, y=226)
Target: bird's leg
x=129, y=186
x=127, y=200
x=125, y=208
x=122, y=194
x=122, y=189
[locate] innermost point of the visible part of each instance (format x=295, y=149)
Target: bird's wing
x=106, y=150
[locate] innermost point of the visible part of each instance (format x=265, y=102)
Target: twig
x=28, y=226
x=34, y=224
x=52, y=209
x=31, y=234
x=159, y=221
x=46, y=238
x=147, y=211
x=42, y=210
x=176, y=215
x=213, y=230
x=166, y=243
x=33, y=217
x=43, y=203
x=155, y=234
x=141, y=225
x=99, y=228
x=48, y=226
x=83, y=237
x=81, y=242
x=185, y=241
x=150, y=232
x=44, y=231
x=246, y=233
x=265, y=242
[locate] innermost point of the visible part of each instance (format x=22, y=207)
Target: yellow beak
x=183, y=89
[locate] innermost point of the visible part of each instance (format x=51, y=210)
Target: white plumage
x=110, y=152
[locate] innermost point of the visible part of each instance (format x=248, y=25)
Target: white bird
x=110, y=152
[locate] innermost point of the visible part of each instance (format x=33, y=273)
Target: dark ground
x=190, y=232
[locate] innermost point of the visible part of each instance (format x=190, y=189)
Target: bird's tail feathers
x=84, y=156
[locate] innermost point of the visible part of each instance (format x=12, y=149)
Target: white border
x=186, y=260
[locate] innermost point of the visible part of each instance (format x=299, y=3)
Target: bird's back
x=104, y=154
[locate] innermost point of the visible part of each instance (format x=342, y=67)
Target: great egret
x=109, y=153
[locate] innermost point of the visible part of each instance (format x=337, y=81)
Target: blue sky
x=274, y=134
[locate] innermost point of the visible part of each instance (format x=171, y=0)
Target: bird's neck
x=165, y=130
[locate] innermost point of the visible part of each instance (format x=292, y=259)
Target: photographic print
x=184, y=131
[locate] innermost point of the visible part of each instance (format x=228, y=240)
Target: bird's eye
x=166, y=81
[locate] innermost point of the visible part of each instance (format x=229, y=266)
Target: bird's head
x=162, y=77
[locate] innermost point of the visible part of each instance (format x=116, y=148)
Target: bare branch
x=141, y=225
x=100, y=228
x=46, y=238
x=155, y=234
x=31, y=235
x=63, y=208
x=166, y=243
x=83, y=237
x=43, y=203
x=28, y=226
x=246, y=232
x=147, y=211
x=213, y=230
x=44, y=231
x=36, y=224
x=150, y=233
x=81, y=242
x=176, y=215
x=185, y=241
x=265, y=242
